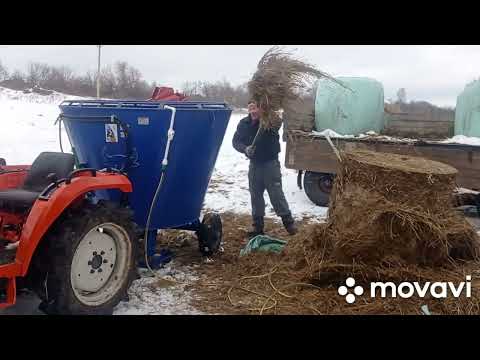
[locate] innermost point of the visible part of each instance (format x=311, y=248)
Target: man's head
x=254, y=110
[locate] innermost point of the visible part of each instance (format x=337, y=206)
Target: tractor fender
x=45, y=211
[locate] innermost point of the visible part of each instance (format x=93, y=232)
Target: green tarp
x=263, y=243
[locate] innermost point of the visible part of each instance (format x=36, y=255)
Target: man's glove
x=249, y=150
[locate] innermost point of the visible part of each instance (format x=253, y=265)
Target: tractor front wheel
x=91, y=260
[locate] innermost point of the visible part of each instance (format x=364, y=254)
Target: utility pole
x=98, y=72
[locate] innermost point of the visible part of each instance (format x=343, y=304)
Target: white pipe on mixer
x=170, y=134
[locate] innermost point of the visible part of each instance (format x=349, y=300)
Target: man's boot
x=257, y=227
x=289, y=224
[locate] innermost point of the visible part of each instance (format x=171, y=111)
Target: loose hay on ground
x=390, y=219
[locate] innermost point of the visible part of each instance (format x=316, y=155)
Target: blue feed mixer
x=132, y=136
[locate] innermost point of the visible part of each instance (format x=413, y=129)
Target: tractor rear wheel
x=91, y=259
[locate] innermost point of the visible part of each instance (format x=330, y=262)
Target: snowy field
x=27, y=128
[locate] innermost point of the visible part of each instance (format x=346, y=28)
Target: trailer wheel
x=318, y=187
x=210, y=234
x=91, y=260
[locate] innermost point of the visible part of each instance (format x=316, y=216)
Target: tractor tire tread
x=63, y=239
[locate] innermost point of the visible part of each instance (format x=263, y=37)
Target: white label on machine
x=143, y=120
x=111, y=133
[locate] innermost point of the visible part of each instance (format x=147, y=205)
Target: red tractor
x=79, y=257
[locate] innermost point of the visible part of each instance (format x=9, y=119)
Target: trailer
x=313, y=157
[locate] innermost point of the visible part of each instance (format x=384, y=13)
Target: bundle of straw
x=278, y=81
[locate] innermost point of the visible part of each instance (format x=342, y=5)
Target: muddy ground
x=210, y=292
x=218, y=289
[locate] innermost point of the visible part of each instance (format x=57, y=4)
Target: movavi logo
x=406, y=290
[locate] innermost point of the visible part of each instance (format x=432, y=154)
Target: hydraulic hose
x=170, y=136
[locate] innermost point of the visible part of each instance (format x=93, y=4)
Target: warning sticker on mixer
x=111, y=133
x=143, y=120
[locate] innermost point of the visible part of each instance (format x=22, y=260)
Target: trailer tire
x=105, y=226
x=318, y=187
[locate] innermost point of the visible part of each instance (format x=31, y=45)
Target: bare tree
x=217, y=91
x=58, y=78
x=120, y=81
x=129, y=82
x=17, y=75
x=3, y=72
x=109, y=82
x=38, y=74
x=33, y=74
x=15, y=81
x=120, y=73
x=192, y=88
x=402, y=96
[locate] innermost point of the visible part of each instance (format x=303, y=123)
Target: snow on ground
x=156, y=296
x=368, y=135
x=31, y=97
x=466, y=191
x=27, y=128
x=332, y=134
x=27, y=125
x=148, y=295
x=462, y=139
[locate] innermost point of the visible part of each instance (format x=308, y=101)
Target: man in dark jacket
x=264, y=171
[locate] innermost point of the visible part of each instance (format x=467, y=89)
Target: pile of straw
x=390, y=219
x=391, y=205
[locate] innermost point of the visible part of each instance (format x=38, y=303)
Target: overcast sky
x=432, y=73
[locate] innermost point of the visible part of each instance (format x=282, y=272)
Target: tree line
x=120, y=81
x=124, y=81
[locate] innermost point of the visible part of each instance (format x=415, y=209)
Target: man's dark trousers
x=266, y=176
